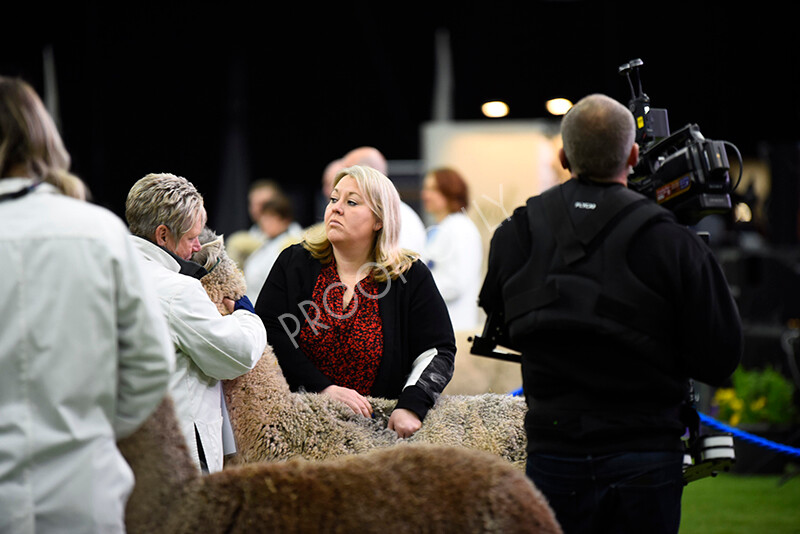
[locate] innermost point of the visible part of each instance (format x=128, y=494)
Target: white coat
x=209, y=347
x=258, y=264
x=85, y=357
x=454, y=254
x=412, y=229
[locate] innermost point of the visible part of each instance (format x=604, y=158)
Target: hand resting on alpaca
x=271, y=422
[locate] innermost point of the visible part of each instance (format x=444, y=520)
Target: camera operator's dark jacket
x=614, y=305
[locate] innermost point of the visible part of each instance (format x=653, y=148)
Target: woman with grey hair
x=350, y=314
x=166, y=215
x=164, y=208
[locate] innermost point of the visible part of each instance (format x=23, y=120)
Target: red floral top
x=345, y=344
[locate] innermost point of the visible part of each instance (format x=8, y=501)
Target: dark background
x=223, y=93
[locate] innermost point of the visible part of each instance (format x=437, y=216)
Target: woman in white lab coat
x=454, y=250
x=166, y=216
x=85, y=355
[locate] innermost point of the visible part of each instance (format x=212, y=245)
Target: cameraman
x=614, y=307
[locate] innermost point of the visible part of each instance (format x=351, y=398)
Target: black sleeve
x=674, y=261
x=280, y=306
x=509, y=249
x=430, y=333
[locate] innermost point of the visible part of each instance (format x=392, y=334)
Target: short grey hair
x=164, y=199
x=598, y=134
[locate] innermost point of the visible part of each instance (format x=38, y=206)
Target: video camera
x=684, y=172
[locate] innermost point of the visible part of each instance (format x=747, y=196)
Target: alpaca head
x=224, y=278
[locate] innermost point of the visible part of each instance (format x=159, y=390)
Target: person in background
x=412, y=229
x=328, y=174
x=85, y=354
x=240, y=244
x=614, y=306
x=454, y=251
x=350, y=314
x=277, y=223
x=166, y=215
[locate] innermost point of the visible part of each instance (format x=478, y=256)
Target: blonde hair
x=164, y=199
x=29, y=138
x=381, y=196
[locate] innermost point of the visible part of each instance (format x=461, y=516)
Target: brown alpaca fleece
x=163, y=469
x=272, y=423
x=409, y=488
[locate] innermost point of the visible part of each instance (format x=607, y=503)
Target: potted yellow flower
x=761, y=402
x=759, y=398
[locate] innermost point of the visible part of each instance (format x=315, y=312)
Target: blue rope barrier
x=747, y=436
x=737, y=432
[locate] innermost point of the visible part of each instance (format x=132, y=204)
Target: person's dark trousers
x=632, y=492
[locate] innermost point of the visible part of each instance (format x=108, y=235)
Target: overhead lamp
x=558, y=106
x=495, y=109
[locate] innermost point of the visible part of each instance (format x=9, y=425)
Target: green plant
x=757, y=396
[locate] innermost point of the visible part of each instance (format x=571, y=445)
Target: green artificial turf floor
x=731, y=503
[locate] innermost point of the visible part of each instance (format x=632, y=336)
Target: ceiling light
x=558, y=106
x=495, y=109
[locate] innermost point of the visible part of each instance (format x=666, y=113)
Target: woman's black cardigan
x=414, y=321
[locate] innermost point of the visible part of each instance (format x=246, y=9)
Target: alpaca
x=224, y=278
x=272, y=423
x=408, y=488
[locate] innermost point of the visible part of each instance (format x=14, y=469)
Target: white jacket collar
x=153, y=252
x=10, y=185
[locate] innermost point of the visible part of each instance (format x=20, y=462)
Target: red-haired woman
x=454, y=251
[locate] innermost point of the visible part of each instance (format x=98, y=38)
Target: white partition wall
x=504, y=162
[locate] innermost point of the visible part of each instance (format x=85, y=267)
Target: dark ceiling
x=217, y=91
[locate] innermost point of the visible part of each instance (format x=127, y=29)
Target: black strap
x=643, y=318
x=572, y=242
x=532, y=299
x=573, y=239
x=19, y=193
x=555, y=210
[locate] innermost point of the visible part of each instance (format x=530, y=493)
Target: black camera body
x=683, y=171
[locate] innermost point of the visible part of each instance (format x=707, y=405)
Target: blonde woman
x=350, y=314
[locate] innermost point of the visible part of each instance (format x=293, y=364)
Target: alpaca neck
x=163, y=469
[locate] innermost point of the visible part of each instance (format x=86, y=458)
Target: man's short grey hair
x=164, y=199
x=598, y=134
